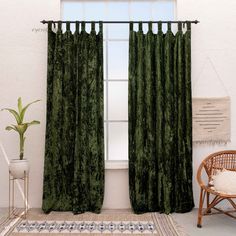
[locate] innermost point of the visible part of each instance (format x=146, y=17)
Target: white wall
x=214, y=38
x=23, y=62
x=23, y=68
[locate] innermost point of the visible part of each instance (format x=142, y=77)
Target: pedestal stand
x=12, y=209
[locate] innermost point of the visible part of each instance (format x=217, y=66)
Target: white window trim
x=116, y=165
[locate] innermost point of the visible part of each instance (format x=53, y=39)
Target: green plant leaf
x=10, y=128
x=15, y=114
x=19, y=105
x=22, y=114
x=21, y=128
x=34, y=122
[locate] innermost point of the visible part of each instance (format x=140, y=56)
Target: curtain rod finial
x=43, y=21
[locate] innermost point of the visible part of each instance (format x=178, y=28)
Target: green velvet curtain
x=160, y=120
x=74, y=155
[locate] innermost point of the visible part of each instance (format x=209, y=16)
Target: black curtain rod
x=122, y=22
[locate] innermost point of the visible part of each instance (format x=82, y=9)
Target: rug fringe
x=180, y=229
x=10, y=223
x=212, y=142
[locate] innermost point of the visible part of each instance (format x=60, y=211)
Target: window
x=116, y=58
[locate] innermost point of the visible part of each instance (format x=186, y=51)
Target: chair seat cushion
x=225, y=182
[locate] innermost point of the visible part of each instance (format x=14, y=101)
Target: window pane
x=118, y=31
x=140, y=10
x=105, y=100
x=105, y=141
x=118, y=10
x=118, y=101
x=104, y=61
x=118, y=141
x=118, y=60
x=72, y=10
x=94, y=11
x=163, y=10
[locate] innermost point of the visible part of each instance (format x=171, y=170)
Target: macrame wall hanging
x=211, y=116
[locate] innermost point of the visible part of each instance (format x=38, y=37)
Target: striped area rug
x=108, y=223
x=9, y=223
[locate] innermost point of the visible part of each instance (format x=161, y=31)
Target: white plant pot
x=18, y=168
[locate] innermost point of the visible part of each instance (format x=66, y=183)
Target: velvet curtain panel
x=74, y=155
x=160, y=120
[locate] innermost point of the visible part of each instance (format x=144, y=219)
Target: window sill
x=116, y=165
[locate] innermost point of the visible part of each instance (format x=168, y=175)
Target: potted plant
x=18, y=167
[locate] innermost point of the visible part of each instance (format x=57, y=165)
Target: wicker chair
x=216, y=161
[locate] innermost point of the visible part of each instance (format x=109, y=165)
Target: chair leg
x=208, y=202
x=201, y=200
